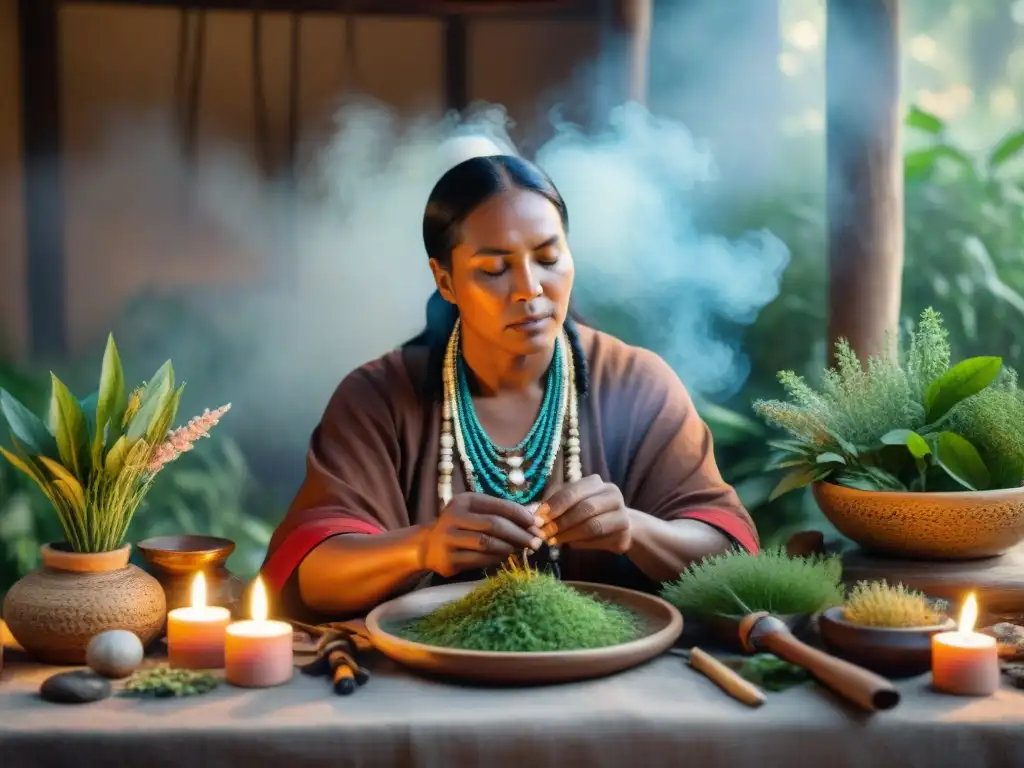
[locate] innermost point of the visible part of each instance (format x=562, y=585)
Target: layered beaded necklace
x=518, y=473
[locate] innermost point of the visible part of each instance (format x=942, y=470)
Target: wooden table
x=661, y=714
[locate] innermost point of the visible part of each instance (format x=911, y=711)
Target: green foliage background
x=964, y=236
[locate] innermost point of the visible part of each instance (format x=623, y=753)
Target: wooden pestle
x=764, y=632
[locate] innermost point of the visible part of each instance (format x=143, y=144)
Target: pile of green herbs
x=907, y=421
x=736, y=583
x=519, y=609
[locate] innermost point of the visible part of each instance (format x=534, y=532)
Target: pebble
x=114, y=654
x=77, y=687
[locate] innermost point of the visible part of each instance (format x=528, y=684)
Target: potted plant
x=885, y=628
x=94, y=460
x=909, y=455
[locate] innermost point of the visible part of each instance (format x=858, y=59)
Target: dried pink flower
x=182, y=439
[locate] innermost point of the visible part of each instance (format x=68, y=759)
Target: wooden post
x=456, y=52
x=41, y=169
x=865, y=172
x=633, y=19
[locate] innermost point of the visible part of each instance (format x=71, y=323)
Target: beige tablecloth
x=662, y=714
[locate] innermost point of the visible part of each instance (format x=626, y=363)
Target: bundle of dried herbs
x=737, y=583
x=522, y=610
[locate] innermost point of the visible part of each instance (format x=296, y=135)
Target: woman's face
x=511, y=273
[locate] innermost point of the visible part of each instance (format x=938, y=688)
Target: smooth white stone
x=115, y=653
x=516, y=477
x=514, y=461
x=447, y=441
x=446, y=467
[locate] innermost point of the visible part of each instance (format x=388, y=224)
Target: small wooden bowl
x=893, y=652
x=662, y=621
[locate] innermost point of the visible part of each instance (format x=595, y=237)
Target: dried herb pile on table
x=522, y=610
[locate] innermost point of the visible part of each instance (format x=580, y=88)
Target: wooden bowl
x=893, y=652
x=662, y=622
x=935, y=526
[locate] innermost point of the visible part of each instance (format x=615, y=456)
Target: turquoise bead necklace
x=518, y=473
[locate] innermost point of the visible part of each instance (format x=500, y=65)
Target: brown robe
x=372, y=461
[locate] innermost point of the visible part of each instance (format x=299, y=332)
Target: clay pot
x=890, y=651
x=935, y=526
x=175, y=560
x=54, y=611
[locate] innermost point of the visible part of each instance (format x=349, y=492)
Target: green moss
x=521, y=610
x=737, y=582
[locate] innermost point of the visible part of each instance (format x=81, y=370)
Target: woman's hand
x=589, y=514
x=477, y=531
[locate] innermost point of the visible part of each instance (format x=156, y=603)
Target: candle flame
x=199, y=591
x=258, y=603
x=968, y=615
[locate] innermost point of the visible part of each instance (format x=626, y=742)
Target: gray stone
x=77, y=687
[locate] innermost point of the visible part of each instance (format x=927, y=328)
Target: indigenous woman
x=505, y=428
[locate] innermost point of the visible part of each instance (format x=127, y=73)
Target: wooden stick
x=726, y=678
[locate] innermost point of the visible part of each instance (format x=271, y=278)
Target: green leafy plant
x=903, y=422
x=735, y=583
x=519, y=609
x=877, y=604
x=94, y=459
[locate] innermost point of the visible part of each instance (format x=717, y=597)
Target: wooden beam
x=456, y=63
x=865, y=172
x=633, y=19
x=41, y=176
x=433, y=8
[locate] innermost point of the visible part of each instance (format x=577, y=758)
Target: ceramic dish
x=662, y=625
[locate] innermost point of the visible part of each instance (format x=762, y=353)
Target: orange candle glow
x=195, y=634
x=965, y=662
x=258, y=653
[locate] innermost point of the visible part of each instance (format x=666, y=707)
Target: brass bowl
x=174, y=561
x=963, y=525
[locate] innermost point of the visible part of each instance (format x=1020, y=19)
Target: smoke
x=266, y=295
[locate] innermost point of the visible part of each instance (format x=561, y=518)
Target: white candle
x=195, y=633
x=258, y=653
x=965, y=662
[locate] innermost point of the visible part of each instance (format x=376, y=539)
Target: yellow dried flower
x=877, y=604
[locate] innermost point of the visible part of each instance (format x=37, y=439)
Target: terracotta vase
x=54, y=611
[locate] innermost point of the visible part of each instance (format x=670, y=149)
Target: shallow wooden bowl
x=661, y=621
x=893, y=652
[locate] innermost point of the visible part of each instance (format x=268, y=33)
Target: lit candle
x=258, y=653
x=195, y=633
x=965, y=662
